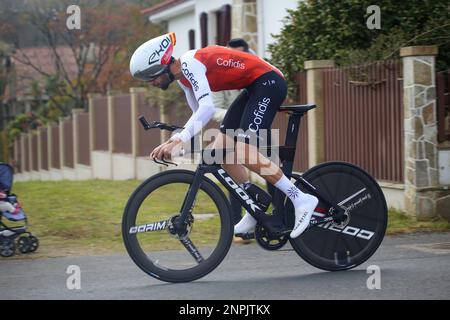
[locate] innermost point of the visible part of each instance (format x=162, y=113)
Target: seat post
x=287, y=152
x=293, y=129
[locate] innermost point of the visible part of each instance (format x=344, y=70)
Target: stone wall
x=244, y=22
x=424, y=198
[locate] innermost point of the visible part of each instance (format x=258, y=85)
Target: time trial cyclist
x=215, y=68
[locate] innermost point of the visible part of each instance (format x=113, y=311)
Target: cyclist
x=216, y=68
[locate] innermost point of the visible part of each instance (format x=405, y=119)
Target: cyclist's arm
x=190, y=97
x=199, y=98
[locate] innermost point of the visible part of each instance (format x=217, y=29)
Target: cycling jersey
x=216, y=68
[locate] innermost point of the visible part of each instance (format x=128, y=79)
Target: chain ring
x=267, y=241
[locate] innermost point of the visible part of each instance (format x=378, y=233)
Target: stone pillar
x=134, y=119
x=423, y=196
x=316, y=134
x=244, y=22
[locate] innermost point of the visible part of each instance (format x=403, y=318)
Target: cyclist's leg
x=248, y=121
x=266, y=94
x=231, y=121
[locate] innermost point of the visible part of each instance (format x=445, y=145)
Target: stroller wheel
x=7, y=248
x=24, y=244
x=34, y=243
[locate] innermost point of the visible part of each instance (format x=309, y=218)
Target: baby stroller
x=11, y=210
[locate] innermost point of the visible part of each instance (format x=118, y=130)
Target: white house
x=198, y=23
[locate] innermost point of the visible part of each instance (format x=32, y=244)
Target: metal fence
x=122, y=124
x=443, y=105
x=363, y=118
x=84, y=156
x=44, y=147
x=116, y=111
x=55, y=161
x=100, y=113
x=147, y=140
x=363, y=124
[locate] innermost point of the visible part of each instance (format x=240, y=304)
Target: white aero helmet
x=153, y=57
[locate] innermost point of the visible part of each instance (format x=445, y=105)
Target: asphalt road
x=413, y=266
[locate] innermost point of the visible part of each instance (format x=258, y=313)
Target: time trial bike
x=177, y=225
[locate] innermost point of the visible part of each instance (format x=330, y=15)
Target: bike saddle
x=298, y=108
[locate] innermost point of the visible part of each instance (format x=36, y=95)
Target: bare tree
x=91, y=59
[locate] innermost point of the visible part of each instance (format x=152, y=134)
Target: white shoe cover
x=247, y=224
x=303, y=215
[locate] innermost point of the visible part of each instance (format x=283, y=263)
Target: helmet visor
x=150, y=73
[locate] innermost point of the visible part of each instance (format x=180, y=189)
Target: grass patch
x=73, y=216
x=84, y=217
x=399, y=222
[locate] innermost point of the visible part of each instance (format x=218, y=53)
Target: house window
x=191, y=36
x=204, y=29
x=223, y=18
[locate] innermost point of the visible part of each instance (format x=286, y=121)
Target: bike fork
x=189, y=200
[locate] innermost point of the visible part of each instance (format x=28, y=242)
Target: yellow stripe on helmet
x=173, y=38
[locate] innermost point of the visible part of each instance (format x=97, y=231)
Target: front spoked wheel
x=167, y=249
x=336, y=246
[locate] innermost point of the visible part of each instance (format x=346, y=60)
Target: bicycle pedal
x=246, y=236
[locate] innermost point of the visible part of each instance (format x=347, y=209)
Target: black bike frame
x=276, y=222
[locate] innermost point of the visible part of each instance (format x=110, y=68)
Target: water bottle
x=261, y=197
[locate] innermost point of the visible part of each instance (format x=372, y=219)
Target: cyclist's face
x=161, y=82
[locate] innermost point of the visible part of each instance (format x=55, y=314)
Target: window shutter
x=223, y=25
x=191, y=36
x=204, y=29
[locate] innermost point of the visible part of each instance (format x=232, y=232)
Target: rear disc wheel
x=345, y=244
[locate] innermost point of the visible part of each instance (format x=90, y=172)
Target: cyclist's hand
x=165, y=151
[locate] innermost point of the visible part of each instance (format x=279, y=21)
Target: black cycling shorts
x=254, y=110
